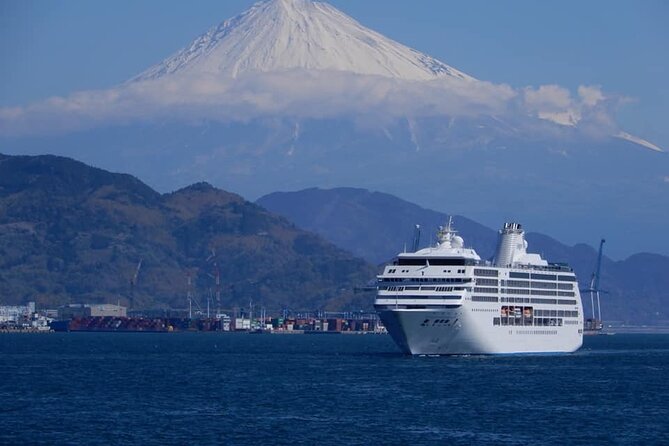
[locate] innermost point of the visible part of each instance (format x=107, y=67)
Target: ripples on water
x=206, y=388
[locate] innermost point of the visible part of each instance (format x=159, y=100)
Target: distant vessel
x=445, y=300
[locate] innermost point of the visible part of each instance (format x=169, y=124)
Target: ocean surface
x=241, y=389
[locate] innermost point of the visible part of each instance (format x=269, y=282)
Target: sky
x=57, y=48
x=51, y=48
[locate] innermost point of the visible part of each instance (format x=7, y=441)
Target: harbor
x=362, y=324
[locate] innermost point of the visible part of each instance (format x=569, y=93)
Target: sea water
x=239, y=389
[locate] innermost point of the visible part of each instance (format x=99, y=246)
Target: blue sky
x=524, y=47
x=55, y=48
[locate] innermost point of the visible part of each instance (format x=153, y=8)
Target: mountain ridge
x=493, y=149
x=637, y=285
x=70, y=233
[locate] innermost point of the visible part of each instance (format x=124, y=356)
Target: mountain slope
x=279, y=35
x=295, y=94
x=372, y=225
x=72, y=233
x=377, y=226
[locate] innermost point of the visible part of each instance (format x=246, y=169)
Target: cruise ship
x=445, y=300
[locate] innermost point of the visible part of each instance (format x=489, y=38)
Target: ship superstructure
x=446, y=300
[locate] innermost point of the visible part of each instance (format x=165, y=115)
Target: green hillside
x=73, y=233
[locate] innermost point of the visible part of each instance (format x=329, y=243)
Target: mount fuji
x=292, y=94
x=284, y=35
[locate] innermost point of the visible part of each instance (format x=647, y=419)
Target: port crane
x=595, y=323
x=191, y=297
x=133, y=283
x=217, y=279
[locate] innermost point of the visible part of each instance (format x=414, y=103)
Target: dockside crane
x=217, y=280
x=595, y=323
x=190, y=296
x=218, y=288
x=133, y=284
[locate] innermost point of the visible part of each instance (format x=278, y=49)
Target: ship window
x=518, y=283
x=484, y=299
x=543, y=285
x=544, y=276
x=567, y=278
x=544, y=293
x=565, y=286
x=411, y=262
x=485, y=290
x=544, y=301
x=486, y=282
x=485, y=272
x=447, y=262
x=566, y=302
x=516, y=275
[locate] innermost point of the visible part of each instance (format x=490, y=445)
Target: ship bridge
x=450, y=250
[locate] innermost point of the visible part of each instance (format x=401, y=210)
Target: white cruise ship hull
x=445, y=300
x=462, y=332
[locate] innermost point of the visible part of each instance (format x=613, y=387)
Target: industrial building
x=91, y=310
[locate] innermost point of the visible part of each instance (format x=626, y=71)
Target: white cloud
x=590, y=95
x=548, y=98
x=308, y=94
x=591, y=111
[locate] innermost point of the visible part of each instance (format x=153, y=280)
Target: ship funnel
x=511, y=244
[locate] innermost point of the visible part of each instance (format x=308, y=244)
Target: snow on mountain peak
x=305, y=59
x=281, y=35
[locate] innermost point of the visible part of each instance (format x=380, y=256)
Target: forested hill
x=73, y=233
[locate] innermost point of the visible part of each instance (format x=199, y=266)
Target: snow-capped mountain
x=280, y=35
x=293, y=94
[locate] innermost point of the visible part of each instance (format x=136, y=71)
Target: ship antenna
x=446, y=232
x=449, y=228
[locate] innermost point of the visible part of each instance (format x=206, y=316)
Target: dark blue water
x=207, y=388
